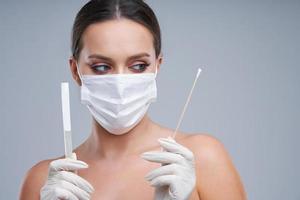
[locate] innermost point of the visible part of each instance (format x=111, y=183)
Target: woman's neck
x=104, y=145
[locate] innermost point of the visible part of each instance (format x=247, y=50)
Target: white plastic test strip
x=65, y=98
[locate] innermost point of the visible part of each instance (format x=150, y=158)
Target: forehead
x=122, y=36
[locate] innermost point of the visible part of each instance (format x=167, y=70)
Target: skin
x=115, y=166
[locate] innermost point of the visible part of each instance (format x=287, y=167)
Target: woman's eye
x=139, y=67
x=100, y=68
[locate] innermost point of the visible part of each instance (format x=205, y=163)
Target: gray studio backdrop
x=247, y=95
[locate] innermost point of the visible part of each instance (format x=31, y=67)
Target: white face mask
x=118, y=102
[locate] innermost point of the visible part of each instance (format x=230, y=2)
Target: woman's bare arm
x=33, y=181
x=217, y=178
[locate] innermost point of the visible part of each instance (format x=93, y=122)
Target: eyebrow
x=99, y=56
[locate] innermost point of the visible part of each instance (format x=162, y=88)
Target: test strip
x=186, y=104
x=65, y=98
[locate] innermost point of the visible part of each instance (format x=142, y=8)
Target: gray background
x=247, y=95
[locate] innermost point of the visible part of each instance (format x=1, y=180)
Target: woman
x=116, y=47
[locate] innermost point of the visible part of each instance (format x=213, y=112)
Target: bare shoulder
x=204, y=146
x=214, y=168
x=34, y=179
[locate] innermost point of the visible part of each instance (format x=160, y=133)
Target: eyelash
x=144, y=65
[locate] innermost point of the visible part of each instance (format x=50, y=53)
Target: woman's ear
x=73, y=68
x=159, y=61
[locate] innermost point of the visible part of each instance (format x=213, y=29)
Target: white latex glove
x=65, y=185
x=175, y=179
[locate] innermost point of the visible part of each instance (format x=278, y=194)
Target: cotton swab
x=66, y=119
x=186, y=104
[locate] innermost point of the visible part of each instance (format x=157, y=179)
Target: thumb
x=67, y=164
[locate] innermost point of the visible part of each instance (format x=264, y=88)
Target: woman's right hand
x=65, y=185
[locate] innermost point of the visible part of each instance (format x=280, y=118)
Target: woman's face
x=116, y=47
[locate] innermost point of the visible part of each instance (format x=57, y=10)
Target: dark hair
x=101, y=10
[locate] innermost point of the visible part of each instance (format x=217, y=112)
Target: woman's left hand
x=175, y=179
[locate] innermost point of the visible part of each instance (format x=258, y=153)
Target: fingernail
x=152, y=183
x=163, y=139
x=92, y=190
x=148, y=175
x=84, y=164
x=145, y=155
x=148, y=153
x=84, y=167
x=148, y=178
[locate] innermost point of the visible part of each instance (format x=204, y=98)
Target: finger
x=60, y=193
x=174, y=147
x=164, y=170
x=76, y=180
x=163, y=180
x=78, y=192
x=162, y=157
x=67, y=164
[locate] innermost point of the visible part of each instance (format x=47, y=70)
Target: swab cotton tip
x=199, y=71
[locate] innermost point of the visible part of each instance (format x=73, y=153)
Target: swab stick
x=186, y=104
